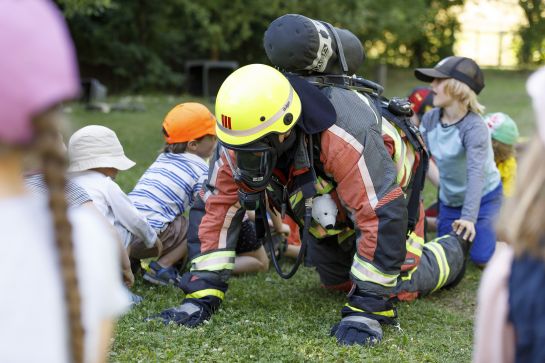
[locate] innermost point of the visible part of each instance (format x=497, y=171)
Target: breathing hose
x=304, y=242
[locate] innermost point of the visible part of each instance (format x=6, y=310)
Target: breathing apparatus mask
x=252, y=165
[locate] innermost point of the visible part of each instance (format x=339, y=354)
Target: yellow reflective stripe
x=409, y=161
x=402, y=173
x=415, y=244
x=388, y=128
x=212, y=255
x=440, y=256
x=399, y=156
x=221, y=260
x=409, y=274
x=207, y=292
x=323, y=186
x=365, y=271
x=387, y=313
x=345, y=234
x=318, y=231
x=296, y=198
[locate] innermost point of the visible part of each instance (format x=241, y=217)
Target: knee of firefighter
x=332, y=262
x=197, y=280
x=367, y=287
x=333, y=273
x=392, y=234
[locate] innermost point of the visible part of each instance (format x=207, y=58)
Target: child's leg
x=251, y=255
x=173, y=255
x=254, y=261
x=294, y=238
x=485, y=239
x=292, y=251
x=445, y=218
x=174, y=239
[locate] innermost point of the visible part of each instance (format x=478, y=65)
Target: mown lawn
x=265, y=318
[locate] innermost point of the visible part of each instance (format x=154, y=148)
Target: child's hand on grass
x=460, y=226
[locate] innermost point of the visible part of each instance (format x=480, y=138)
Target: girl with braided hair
x=55, y=306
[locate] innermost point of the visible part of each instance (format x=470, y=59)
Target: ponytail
x=54, y=165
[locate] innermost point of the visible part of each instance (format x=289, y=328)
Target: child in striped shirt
x=169, y=186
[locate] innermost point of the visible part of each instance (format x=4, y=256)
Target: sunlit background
x=488, y=32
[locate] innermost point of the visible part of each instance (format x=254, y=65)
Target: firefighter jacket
x=352, y=154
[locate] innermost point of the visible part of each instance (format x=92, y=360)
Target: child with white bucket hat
x=96, y=156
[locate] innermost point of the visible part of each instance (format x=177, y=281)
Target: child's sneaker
x=161, y=275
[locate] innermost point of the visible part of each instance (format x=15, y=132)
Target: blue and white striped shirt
x=75, y=195
x=168, y=188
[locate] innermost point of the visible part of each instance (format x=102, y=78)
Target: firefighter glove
x=191, y=313
x=357, y=329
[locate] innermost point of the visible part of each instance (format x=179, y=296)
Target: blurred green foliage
x=84, y=7
x=532, y=45
x=135, y=45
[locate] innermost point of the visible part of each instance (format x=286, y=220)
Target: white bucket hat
x=96, y=147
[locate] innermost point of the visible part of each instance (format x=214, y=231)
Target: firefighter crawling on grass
x=288, y=138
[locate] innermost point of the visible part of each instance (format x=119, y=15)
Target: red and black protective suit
x=352, y=154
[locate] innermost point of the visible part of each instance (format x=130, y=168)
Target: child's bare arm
x=433, y=173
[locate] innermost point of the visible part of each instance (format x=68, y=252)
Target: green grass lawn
x=265, y=318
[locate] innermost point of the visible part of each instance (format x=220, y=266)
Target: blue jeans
x=484, y=243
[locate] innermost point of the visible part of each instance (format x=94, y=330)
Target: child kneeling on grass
x=169, y=186
x=458, y=140
x=504, y=133
x=96, y=156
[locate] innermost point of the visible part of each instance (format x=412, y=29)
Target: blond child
x=510, y=321
x=504, y=133
x=56, y=306
x=470, y=190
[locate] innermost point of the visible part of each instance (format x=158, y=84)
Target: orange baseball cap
x=188, y=121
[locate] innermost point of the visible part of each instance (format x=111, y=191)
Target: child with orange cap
x=167, y=189
x=169, y=186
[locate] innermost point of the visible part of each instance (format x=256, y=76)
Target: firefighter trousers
x=442, y=264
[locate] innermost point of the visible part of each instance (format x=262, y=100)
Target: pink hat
x=37, y=66
x=536, y=90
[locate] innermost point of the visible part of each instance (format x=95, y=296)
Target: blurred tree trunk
x=532, y=35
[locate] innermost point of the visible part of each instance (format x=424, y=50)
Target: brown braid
x=54, y=165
